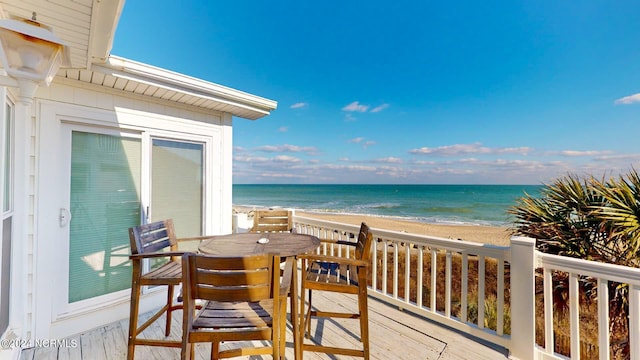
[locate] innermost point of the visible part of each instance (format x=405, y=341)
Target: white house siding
x=72, y=99
x=31, y=195
x=73, y=24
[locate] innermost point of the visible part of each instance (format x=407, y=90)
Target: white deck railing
x=413, y=271
x=401, y=261
x=603, y=274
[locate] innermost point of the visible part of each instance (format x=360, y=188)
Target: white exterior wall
x=76, y=101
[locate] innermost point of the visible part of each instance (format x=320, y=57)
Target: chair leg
x=295, y=314
x=364, y=320
x=283, y=328
x=307, y=317
x=301, y=327
x=215, y=350
x=133, y=312
x=185, y=354
x=275, y=344
x=167, y=329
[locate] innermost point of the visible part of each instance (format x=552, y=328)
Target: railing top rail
x=611, y=272
x=433, y=241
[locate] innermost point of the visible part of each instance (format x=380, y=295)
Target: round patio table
x=284, y=244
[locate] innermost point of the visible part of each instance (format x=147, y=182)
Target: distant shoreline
x=483, y=205
x=315, y=212
x=495, y=235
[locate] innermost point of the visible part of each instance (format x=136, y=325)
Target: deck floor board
x=394, y=334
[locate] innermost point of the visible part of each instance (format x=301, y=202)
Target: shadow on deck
x=394, y=334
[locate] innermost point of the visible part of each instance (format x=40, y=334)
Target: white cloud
x=468, y=161
x=249, y=159
x=349, y=167
x=356, y=106
x=628, y=99
x=288, y=148
x=299, y=105
x=389, y=160
x=379, y=108
x=421, y=162
x=573, y=153
x=283, y=129
x=287, y=159
x=361, y=140
x=282, y=175
x=631, y=158
x=523, y=150
x=461, y=149
x=349, y=118
x=462, y=169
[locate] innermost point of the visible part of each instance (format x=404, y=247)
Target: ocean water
x=443, y=204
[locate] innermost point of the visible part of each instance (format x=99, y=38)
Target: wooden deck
x=394, y=335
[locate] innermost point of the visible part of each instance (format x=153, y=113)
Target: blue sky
x=465, y=92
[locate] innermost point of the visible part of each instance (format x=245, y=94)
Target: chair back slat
x=247, y=278
x=365, y=240
x=244, y=263
x=362, y=252
x=251, y=294
x=233, y=278
x=272, y=221
x=152, y=237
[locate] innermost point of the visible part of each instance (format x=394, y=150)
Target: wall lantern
x=31, y=55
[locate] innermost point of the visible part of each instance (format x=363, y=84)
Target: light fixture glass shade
x=30, y=51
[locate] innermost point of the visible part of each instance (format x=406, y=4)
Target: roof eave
x=105, y=16
x=250, y=106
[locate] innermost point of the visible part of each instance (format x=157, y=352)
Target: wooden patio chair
x=272, y=221
x=245, y=300
x=343, y=275
x=266, y=221
x=151, y=241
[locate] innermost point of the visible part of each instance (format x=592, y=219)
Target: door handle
x=65, y=217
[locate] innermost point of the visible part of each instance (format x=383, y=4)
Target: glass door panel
x=7, y=219
x=105, y=202
x=177, y=169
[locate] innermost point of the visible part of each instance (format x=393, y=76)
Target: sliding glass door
x=104, y=202
x=116, y=181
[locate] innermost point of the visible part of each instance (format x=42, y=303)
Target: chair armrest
x=285, y=282
x=155, y=255
x=334, y=259
x=205, y=237
x=337, y=242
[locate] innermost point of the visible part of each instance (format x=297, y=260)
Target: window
x=177, y=184
x=7, y=215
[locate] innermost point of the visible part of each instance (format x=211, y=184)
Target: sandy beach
x=482, y=234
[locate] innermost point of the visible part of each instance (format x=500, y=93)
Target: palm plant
x=561, y=219
x=621, y=214
x=590, y=219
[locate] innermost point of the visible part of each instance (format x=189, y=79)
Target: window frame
x=7, y=184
